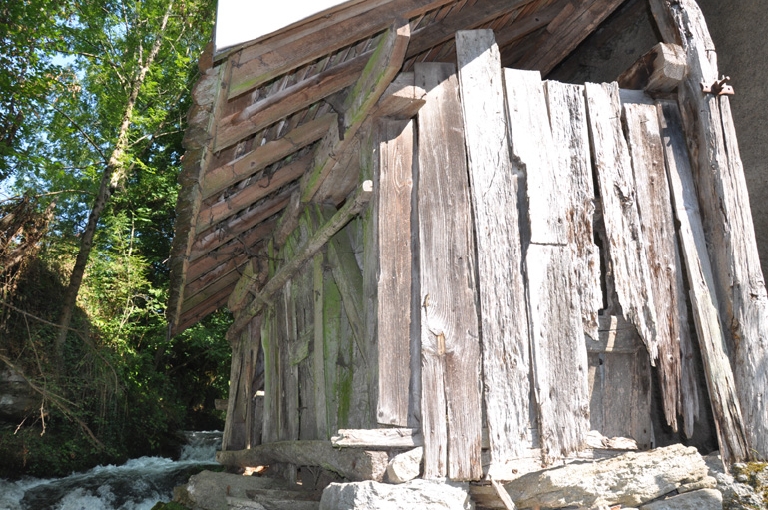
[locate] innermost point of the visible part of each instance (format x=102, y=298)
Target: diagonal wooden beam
x=315, y=243
x=252, y=193
x=381, y=69
x=220, y=178
x=268, y=65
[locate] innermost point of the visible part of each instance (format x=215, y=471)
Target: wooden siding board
x=631, y=276
x=653, y=200
x=570, y=134
x=450, y=329
x=558, y=352
x=395, y=259
x=701, y=281
x=506, y=362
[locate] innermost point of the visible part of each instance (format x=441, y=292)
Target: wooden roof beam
x=234, y=252
x=289, y=100
x=221, y=178
x=268, y=65
x=379, y=72
x=465, y=19
x=564, y=34
x=220, y=234
x=203, y=310
x=255, y=191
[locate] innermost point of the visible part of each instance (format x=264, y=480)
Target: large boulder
x=208, y=490
x=421, y=494
x=704, y=499
x=629, y=480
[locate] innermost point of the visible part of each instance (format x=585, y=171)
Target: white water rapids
x=136, y=485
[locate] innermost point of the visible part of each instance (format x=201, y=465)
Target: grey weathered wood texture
x=506, y=358
x=722, y=193
x=625, y=251
x=558, y=353
x=395, y=268
x=570, y=135
x=653, y=200
x=704, y=301
x=451, y=397
x=661, y=69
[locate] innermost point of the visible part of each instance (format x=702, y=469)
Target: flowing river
x=136, y=485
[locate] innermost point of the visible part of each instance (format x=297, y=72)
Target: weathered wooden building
x=421, y=239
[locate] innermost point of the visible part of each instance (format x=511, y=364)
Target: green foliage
x=126, y=389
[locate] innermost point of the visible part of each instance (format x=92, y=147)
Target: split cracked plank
x=558, y=352
x=494, y=188
x=317, y=241
x=570, y=134
x=220, y=178
x=625, y=240
x=653, y=201
x=451, y=397
x=379, y=72
x=726, y=216
x=267, y=65
x=723, y=396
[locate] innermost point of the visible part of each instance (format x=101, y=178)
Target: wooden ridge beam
x=220, y=178
x=220, y=234
x=379, y=72
x=288, y=101
x=313, y=244
x=252, y=193
x=267, y=65
x=350, y=463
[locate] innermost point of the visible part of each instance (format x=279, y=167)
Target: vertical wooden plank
x=369, y=169
x=570, y=134
x=704, y=301
x=558, y=352
x=395, y=258
x=653, y=201
x=234, y=437
x=506, y=362
x=318, y=350
x=450, y=330
x=625, y=253
x=334, y=369
x=726, y=215
x=254, y=363
x=272, y=380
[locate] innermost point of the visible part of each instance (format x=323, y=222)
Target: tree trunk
x=113, y=174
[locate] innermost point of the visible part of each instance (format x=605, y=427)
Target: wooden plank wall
x=498, y=165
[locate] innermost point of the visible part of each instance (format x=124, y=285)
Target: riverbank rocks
x=630, y=480
x=208, y=490
x=421, y=494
